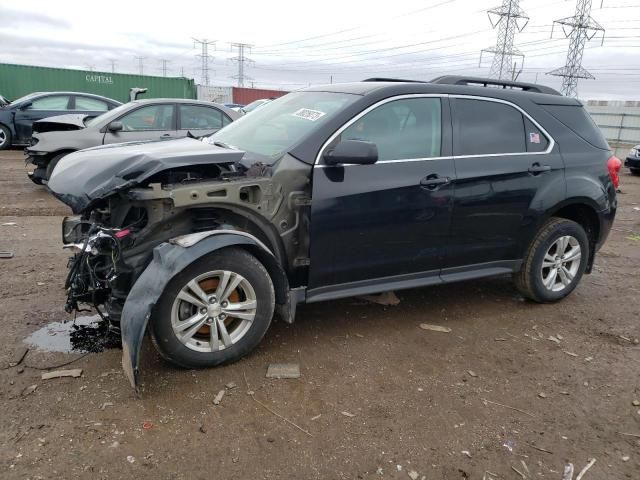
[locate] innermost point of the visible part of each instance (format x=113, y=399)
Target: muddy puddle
x=85, y=334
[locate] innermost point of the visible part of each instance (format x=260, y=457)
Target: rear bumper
x=632, y=162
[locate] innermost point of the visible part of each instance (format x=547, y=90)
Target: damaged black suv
x=331, y=192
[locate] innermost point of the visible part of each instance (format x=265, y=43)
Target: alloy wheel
x=561, y=263
x=213, y=311
x=3, y=138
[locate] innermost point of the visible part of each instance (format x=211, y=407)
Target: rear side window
x=194, y=117
x=91, y=104
x=577, y=119
x=484, y=127
x=535, y=139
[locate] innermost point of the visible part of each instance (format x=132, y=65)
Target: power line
x=140, y=64
x=507, y=18
x=204, y=58
x=581, y=28
x=164, y=63
x=241, y=59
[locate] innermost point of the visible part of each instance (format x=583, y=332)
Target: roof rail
x=382, y=79
x=491, y=82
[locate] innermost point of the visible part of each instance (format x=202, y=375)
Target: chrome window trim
x=549, y=138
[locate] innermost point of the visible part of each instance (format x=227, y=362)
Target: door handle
x=536, y=168
x=166, y=135
x=434, y=181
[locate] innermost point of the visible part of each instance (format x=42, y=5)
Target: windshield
x=108, y=116
x=26, y=97
x=274, y=129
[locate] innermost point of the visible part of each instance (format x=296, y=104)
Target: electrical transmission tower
x=164, y=62
x=241, y=59
x=579, y=29
x=204, y=58
x=140, y=64
x=507, y=18
x=113, y=66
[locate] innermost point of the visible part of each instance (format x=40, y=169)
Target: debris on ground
x=542, y=395
x=230, y=385
x=571, y=354
x=567, y=474
x=472, y=373
x=636, y=403
x=131, y=459
x=202, y=429
x=6, y=254
x=9, y=224
x=94, y=338
x=385, y=299
x=413, y=475
x=147, y=425
x=435, y=328
x=554, y=339
x=18, y=357
x=283, y=370
x=626, y=458
x=105, y=405
x=29, y=390
x=74, y=372
x=587, y=467
x=348, y=414
x=485, y=401
x=218, y=398
x=466, y=453
x=316, y=417
x=522, y=475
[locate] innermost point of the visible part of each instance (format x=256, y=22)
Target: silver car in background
x=140, y=120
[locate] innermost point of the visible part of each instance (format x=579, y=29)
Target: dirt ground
x=379, y=397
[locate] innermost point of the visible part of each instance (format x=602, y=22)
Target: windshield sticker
x=534, y=137
x=308, y=114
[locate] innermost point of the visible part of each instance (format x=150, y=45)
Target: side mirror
x=356, y=152
x=115, y=126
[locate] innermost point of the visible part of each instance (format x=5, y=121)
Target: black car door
x=385, y=223
x=37, y=109
x=504, y=161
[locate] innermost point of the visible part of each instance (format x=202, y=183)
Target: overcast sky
x=296, y=43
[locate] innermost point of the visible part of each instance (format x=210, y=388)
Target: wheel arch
x=170, y=258
x=583, y=211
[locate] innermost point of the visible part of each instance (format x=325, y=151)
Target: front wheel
x=555, y=261
x=5, y=138
x=215, y=311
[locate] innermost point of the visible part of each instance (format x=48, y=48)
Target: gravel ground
x=378, y=396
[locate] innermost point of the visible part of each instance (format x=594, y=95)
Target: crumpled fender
x=169, y=259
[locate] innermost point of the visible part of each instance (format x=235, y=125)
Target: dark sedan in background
x=17, y=117
x=140, y=120
x=633, y=160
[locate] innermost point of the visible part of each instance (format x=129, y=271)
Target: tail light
x=614, y=165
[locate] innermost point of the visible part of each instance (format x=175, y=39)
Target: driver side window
x=151, y=117
x=402, y=129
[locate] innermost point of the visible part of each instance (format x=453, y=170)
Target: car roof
x=390, y=87
x=151, y=101
x=84, y=94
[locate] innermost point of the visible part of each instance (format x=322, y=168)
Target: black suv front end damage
x=145, y=211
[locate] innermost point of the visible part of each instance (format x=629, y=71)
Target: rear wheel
x=635, y=171
x=52, y=164
x=555, y=261
x=215, y=311
x=5, y=138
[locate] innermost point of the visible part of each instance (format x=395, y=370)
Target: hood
x=71, y=121
x=82, y=178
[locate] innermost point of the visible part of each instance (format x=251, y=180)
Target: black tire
x=52, y=164
x=635, y=171
x=38, y=176
x=529, y=280
x=236, y=260
x=5, y=138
